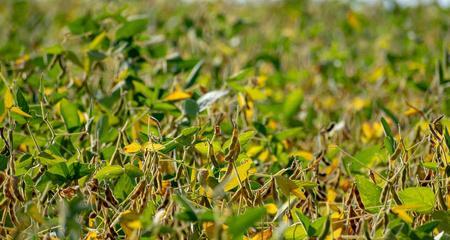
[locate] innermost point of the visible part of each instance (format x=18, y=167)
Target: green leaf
x=240, y=75
x=447, y=138
x=191, y=108
x=69, y=112
x=389, y=141
x=123, y=187
x=430, y=165
x=131, y=28
x=188, y=212
x=133, y=171
x=194, y=74
x=109, y=172
x=244, y=138
x=22, y=102
x=444, y=218
x=295, y=232
x=289, y=133
x=59, y=169
x=238, y=225
x=366, y=157
x=292, y=104
x=420, y=199
x=386, y=128
x=369, y=193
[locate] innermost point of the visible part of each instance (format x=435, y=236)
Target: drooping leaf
x=238, y=225
x=369, y=193
x=109, y=172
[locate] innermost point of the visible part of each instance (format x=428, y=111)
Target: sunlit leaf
x=132, y=148
x=422, y=198
x=109, y=172
x=177, y=95
x=244, y=172
x=20, y=112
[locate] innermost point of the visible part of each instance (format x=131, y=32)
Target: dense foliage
x=221, y=120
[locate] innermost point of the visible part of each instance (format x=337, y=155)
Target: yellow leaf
x=264, y=155
x=254, y=150
x=401, y=213
x=353, y=20
x=97, y=40
x=19, y=111
x=91, y=222
x=304, y=154
x=359, y=103
x=271, y=208
x=209, y=229
x=411, y=111
x=448, y=200
x=331, y=195
x=92, y=235
x=129, y=222
x=336, y=234
x=177, y=95
x=298, y=193
x=244, y=172
x=9, y=98
x=263, y=235
x=132, y=148
x=255, y=94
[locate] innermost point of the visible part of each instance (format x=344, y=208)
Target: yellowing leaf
x=9, y=98
x=92, y=235
x=132, y=148
x=288, y=186
x=359, y=103
x=244, y=172
x=19, y=111
x=152, y=147
x=129, y=221
x=177, y=95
